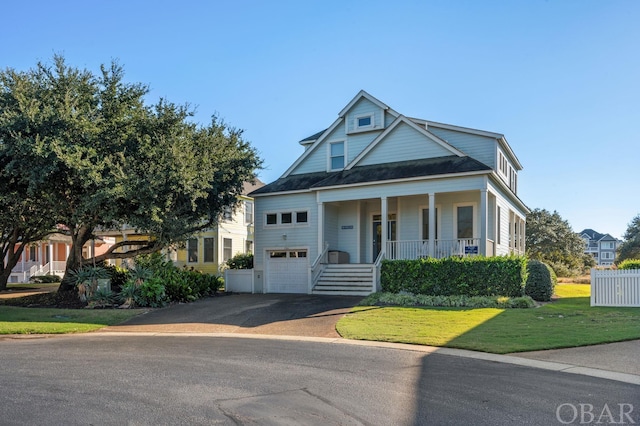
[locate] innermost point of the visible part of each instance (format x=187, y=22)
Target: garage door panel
x=288, y=272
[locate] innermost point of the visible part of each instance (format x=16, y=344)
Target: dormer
x=365, y=113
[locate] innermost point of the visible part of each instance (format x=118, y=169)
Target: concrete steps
x=345, y=280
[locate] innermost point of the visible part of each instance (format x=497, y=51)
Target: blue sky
x=559, y=78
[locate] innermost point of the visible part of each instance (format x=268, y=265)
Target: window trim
x=204, y=250
x=474, y=221
x=330, y=157
x=356, y=122
x=224, y=249
x=249, y=212
x=438, y=221
x=294, y=218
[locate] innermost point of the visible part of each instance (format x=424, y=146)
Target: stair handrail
x=376, y=269
x=316, y=268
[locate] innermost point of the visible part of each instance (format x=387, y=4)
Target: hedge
x=469, y=276
x=629, y=264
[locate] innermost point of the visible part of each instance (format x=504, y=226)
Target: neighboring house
x=379, y=185
x=601, y=246
x=49, y=257
x=234, y=234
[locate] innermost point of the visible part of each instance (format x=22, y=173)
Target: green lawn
x=567, y=322
x=14, y=320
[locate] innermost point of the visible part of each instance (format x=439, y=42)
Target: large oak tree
x=630, y=248
x=86, y=154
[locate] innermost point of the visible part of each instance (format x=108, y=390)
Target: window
x=301, y=217
x=364, y=122
x=277, y=254
x=192, y=250
x=425, y=224
x=297, y=254
x=499, y=226
x=227, y=214
x=32, y=254
x=337, y=155
x=248, y=246
x=209, y=248
x=286, y=218
x=248, y=212
x=465, y=222
x=607, y=255
x=607, y=245
x=226, y=249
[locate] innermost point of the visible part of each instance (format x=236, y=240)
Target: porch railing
x=318, y=266
x=416, y=249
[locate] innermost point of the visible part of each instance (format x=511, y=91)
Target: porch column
x=483, y=222
x=22, y=258
x=67, y=250
x=432, y=224
x=50, y=257
x=383, y=223
x=320, y=228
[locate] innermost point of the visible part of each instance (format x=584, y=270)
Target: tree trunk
x=79, y=237
x=13, y=256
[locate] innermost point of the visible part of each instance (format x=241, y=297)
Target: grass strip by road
x=567, y=322
x=14, y=320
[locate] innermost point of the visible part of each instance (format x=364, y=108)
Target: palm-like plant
x=86, y=280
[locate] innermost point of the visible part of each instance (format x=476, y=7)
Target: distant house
x=233, y=234
x=49, y=256
x=601, y=246
x=376, y=185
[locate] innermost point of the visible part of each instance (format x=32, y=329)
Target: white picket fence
x=615, y=287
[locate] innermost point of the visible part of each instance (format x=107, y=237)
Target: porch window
x=209, y=244
x=337, y=155
x=32, y=254
x=192, y=250
x=465, y=222
x=226, y=249
x=425, y=224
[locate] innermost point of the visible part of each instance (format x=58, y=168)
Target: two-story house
x=233, y=234
x=601, y=246
x=376, y=185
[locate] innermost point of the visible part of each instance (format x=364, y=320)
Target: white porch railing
x=416, y=249
x=318, y=266
x=376, y=270
x=615, y=287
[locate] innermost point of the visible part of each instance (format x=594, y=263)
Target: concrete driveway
x=275, y=314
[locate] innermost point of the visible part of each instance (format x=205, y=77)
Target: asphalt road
x=112, y=379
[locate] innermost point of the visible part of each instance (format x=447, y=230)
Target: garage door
x=287, y=271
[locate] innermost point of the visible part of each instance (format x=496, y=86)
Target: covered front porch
x=437, y=225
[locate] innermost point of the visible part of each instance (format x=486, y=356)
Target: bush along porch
x=498, y=281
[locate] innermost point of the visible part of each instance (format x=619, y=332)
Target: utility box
x=336, y=256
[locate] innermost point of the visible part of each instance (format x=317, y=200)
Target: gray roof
x=375, y=173
x=313, y=137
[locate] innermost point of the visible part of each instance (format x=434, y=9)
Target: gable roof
x=427, y=167
x=402, y=119
x=596, y=236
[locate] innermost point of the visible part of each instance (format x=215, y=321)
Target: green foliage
x=407, y=299
x=151, y=293
x=629, y=264
x=102, y=297
x=105, y=158
x=541, y=281
x=241, y=261
x=471, y=276
x=551, y=240
x=118, y=276
x=630, y=248
x=86, y=279
x=129, y=293
x=45, y=279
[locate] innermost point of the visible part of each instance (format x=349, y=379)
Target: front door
x=377, y=233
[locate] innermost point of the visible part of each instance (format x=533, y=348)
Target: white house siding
x=331, y=226
x=300, y=236
x=347, y=227
x=404, y=143
x=359, y=141
x=318, y=159
x=502, y=200
x=481, y=148
x=364, y=107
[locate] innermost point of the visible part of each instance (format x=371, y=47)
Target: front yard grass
x=15, y=320
x=569, y=321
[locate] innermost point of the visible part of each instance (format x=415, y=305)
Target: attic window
x=364, y=122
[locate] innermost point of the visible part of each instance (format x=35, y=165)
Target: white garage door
x=287, y=271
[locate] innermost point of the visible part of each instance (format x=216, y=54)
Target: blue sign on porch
x=347, y=227
x=471, y=250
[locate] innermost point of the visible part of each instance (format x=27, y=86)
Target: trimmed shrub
x=240, y=261
x=45, y=279
x=629, y=264
x=541, y=281
x=407, y=299
x=471, y=276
